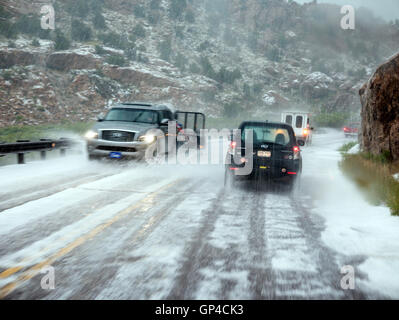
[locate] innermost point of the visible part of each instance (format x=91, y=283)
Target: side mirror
x=165, y=122
x=100, y=118
x=301, y=143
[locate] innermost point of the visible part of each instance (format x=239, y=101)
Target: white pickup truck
x=301, y=123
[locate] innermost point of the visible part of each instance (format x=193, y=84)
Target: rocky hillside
x=223, y=57
x=380, y=112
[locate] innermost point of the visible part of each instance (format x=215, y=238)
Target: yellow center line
x=26, y=260
x=33, y=271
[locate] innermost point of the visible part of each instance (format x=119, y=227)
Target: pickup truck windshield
x=265, y=134
x=132, y=115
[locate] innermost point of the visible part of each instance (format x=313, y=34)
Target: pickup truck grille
x=118, y=136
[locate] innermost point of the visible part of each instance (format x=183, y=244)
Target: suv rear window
x=267, y=134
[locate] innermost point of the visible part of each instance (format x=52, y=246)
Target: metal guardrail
x=21, y=147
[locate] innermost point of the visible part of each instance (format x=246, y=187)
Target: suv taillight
x=297, y=151
x=232, y=148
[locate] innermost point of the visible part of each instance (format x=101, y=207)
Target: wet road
x=156, y=232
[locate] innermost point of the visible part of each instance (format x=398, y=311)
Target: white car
x=301, y=123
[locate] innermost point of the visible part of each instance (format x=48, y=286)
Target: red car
x=352, y=129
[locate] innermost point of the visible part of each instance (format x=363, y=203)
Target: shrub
x=79, y=31
x=7, y=75
x=181, y=61
x=190, y=17
x=257, y=88
x=99, y=73
x=374, y=179
x=165, y=49
x=131, y=53
x=99, y=49
x=4, y=13
x=346, y=147
x=194, y=68
x=319, y=65
x=204, y=45
x=226, y=76
x=61, y=42
x=99, y=21
x=114, y=40
x=247, y=91
x=142, y=58
x=176, y=9
x=139, y=11
x=29, y=24
x=116, y=60
x=96, y=6
x=153, y=18
x=139, y=31
x=8, y=29
x=384, y=157
x=208, y=96
x=155, y=4
x=44, y=34
x=78, y=8
x=35, y=43
x=179, y=32
x=207, y=68
x=273, y=54
x=331, y=120
x=231, y=110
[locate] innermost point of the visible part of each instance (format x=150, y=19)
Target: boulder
x=380, y=110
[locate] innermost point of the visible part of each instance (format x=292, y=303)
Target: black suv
x=275, y=154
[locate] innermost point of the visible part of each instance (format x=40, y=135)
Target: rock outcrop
x=264, y=56
x=65, y=61
x=380, y=110
x=12, y=57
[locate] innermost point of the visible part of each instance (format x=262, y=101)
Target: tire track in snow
x=185, y=284
x=295, y=250
x=215, y=263
x=261, y=277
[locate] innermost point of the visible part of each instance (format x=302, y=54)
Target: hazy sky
x=388, y=9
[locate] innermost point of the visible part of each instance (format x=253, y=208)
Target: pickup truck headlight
x=147, y=139
x=91, y=135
